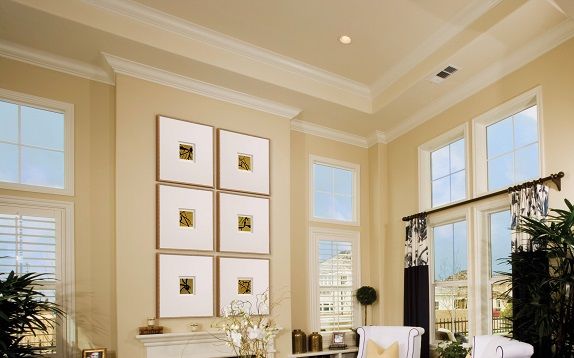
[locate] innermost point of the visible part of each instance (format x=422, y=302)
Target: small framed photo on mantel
x=243, y=162
x=94, y=353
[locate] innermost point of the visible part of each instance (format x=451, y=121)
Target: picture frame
x=243, y=223
x=185, y=286
x=185, y=218
x=94, y=353
x=185, y=152
x=338, y=337
x=245, y=280
x=243, y=162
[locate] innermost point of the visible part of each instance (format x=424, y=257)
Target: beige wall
x=302, y=146
x=94, y=199
x=553, y=71
x=138, y=103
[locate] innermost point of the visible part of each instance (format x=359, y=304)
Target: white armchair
x=500, y=347
x=409, y=339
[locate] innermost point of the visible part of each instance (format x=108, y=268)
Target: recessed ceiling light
x=345, y=40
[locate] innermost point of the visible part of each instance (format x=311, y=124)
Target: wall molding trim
x=534, y=49
x=328, y=133
x=167, y=22
x=188, y=84
x=54, y=62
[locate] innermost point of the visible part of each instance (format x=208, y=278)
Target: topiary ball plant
x=366, y=295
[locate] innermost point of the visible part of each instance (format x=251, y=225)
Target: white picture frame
x=231, y=271
x=251, y=177
x=243, y=223
x=172, y=299
x=185, y=218
x=184, y=152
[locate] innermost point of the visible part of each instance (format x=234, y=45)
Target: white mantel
x=188, y=345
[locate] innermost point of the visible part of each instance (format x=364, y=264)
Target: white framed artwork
x=184, y=218
x=243, y=162
x=184, y=286
x=184, y=152
x=243, y=223
x=245, y=280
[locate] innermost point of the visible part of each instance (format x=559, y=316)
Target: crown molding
x=454, y=27
x=188, y=84
x=167, y=22
x=377, y=137
x=328, y=133
x=54, y=62
x=534, y=49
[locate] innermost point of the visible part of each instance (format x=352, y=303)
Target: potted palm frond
x=543, y=285
x=24, y=312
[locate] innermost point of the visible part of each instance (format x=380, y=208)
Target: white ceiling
x=285, y=53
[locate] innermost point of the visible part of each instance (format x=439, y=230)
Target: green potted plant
x=24, y=311
x=452, y=350
x=366, y=295
x=543, y=285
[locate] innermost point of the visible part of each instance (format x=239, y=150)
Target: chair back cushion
x=376, y=351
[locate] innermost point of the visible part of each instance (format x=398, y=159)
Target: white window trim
x=425, y=175
x=507, y=109
x=481, y=264
x=315, y=235
x=68, y=110
x=67, y=338
x=355, y=168
x=449, y=217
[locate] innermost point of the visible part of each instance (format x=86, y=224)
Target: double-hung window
x=334, y=271
x=36, y=237
x=334, y=191
x=36, y=144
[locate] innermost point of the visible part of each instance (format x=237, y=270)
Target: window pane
x=343, y=208
x=460, y=249
x=440, y=162
x=42, y=128
x=8, y=163
x=441, y=191
x=42, y=167
x=343, y=181
x=458, y=186
x=500, y=172
x=499, y=138
x=500, y=239
x=526, y=127
x=501, y=308
x=8, y=122
x=323, y=205
x=457, y=154
x=451, y=313
x=527, y=163
x=323, y=177
x=443, y=252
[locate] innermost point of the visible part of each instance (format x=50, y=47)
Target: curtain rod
x=555, y=178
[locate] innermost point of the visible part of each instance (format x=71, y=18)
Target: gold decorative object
x=151, y=330
x=315, y=342
x=298, y=341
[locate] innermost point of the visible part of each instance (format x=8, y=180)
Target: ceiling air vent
x=444, y=74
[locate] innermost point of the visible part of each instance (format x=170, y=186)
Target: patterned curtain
x=531, y=202
x=416, y=281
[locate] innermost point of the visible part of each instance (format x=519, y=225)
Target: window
x=450, y=278
x=508, y=144
x=334, y=278
x=448, y=174
x=36, y=236
x=334, y=191
x=442, y=168
x=36, y=144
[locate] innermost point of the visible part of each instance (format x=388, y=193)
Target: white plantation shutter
x=29, y=243
x=336, y=285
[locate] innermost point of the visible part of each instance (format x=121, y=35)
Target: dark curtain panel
x=530, y=295
x=416, y=305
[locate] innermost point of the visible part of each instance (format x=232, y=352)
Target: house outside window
x=36, y=144
x=334, y=191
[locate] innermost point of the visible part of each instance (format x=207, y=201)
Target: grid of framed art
x=213, y=203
